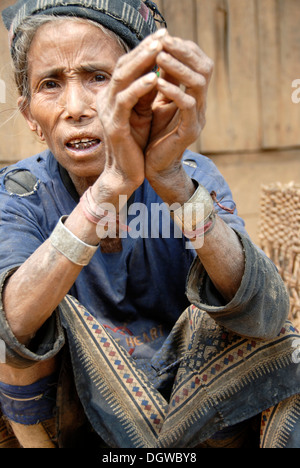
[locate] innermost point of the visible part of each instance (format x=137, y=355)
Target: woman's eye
x=49, y=85
x=100, y=78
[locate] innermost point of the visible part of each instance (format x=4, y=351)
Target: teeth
x=82, y=143
x=83, y=140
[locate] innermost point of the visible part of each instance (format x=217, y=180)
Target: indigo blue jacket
x=139, y=293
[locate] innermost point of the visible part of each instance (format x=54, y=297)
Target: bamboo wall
x=252, y=131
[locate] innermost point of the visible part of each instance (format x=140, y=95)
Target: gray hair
x=25, y=35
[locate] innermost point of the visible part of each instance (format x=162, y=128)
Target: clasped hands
x=149, y=120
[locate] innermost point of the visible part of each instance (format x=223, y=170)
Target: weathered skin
x=117, y=99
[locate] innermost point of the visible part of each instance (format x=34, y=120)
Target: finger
x=126, y=100
x=175, y=94
x=136, y=63
x=177, y=72
x=189, y=53
x=190, y=118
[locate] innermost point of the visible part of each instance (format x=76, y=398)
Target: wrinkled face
x=70, y=65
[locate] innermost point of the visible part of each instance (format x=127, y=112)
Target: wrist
x=104, y=215
x=173, y=185
x=81, y=227
x=196, y=218
x=112, y=189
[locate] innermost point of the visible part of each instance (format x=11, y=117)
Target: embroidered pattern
x=219, y=373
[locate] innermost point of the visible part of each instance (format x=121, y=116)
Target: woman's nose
x=77, y=102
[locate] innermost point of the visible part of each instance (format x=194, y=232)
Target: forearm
x=221, y=252
x=223, y=258
x=34, y=291
x=259, y=307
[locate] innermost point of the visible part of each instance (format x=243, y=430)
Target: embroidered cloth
x=221, y=379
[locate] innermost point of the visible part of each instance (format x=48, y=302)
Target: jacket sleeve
x=46, y=344
x=261, y=304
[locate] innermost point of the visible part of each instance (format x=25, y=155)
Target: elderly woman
x=122, y=332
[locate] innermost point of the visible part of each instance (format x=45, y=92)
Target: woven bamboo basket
x=279, y=236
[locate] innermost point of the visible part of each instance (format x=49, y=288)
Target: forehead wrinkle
x=48, y=49
x=82, y=68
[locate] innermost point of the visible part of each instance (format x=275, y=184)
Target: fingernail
x=150, y=77
x=153, y=46
x=161, y=33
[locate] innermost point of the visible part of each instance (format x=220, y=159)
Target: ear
x=24, y=107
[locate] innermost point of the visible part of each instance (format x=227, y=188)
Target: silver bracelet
x=70, y=246
x=196, y=212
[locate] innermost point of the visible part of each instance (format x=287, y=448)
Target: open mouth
x=83, y=143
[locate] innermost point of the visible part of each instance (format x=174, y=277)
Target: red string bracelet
x=202, y=230
x=96, y=214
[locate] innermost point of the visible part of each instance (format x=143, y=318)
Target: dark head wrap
x=132, y=20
